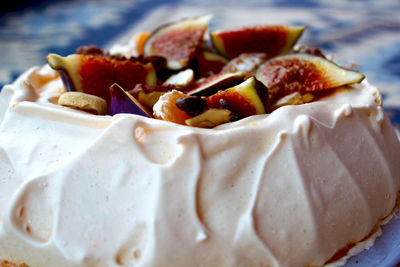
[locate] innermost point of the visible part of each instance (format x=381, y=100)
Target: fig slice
x=95, y=74
x=123, y=102
x=269, y=39
x=209, y=63
x=246, y=62
x=210, y=85
x=178, y=41
x=303, y=73
x=245, y=99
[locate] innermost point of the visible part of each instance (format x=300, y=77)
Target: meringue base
x=290, y=188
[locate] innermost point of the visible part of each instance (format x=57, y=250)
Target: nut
x=85, y=102
x=210, y=118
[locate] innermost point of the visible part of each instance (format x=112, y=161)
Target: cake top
x=182, y=73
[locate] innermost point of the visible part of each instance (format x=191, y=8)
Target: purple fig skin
x=123, y=102
x=216, y=82
x=67, y=81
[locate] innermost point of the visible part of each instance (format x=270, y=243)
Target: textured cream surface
x=285, y=189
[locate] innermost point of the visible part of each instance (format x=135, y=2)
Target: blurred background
x=362, y=33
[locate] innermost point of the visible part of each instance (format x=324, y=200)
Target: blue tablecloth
x=362, y=32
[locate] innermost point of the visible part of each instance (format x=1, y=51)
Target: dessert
x=299, y=176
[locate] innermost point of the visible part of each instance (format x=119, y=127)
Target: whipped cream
x=290, y=188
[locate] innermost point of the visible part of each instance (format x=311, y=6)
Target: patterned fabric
x=366, y=33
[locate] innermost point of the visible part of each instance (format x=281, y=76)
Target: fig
x=303, y=73
x=245, y=99
x=209, y=63
x=95, y=74
x=123, y=102
x=246, y=63
x=213, y=83
x=269, y=39
x=181, y=79
x=178, y=41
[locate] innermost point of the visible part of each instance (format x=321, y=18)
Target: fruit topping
x=148, y=95
x=181, y=79
x=246, y=63
x=123, y=102
x=176, y=75
x=303, y=73
x=178, y=41
x=92, y=50
x=269, y=39
x=210, y=118
x=213, y=83
x=95, y=74
x=246, y=99
x=85, y=102
x=166, y=108
x=209, y=63
x=192, y=105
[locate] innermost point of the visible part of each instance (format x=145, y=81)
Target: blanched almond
x=85, y=102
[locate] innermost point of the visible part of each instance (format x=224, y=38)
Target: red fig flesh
x=303, y=73
x=209, y=63
x=269, y=39
x=95, y=74
x=246, y=99
x=178, y=42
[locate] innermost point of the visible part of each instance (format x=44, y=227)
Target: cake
x=303, y=185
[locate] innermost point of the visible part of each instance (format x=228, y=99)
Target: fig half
x=245, y=99
x=303, y=73
x=269, y=39
x=95, y=74
x=178, y=41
